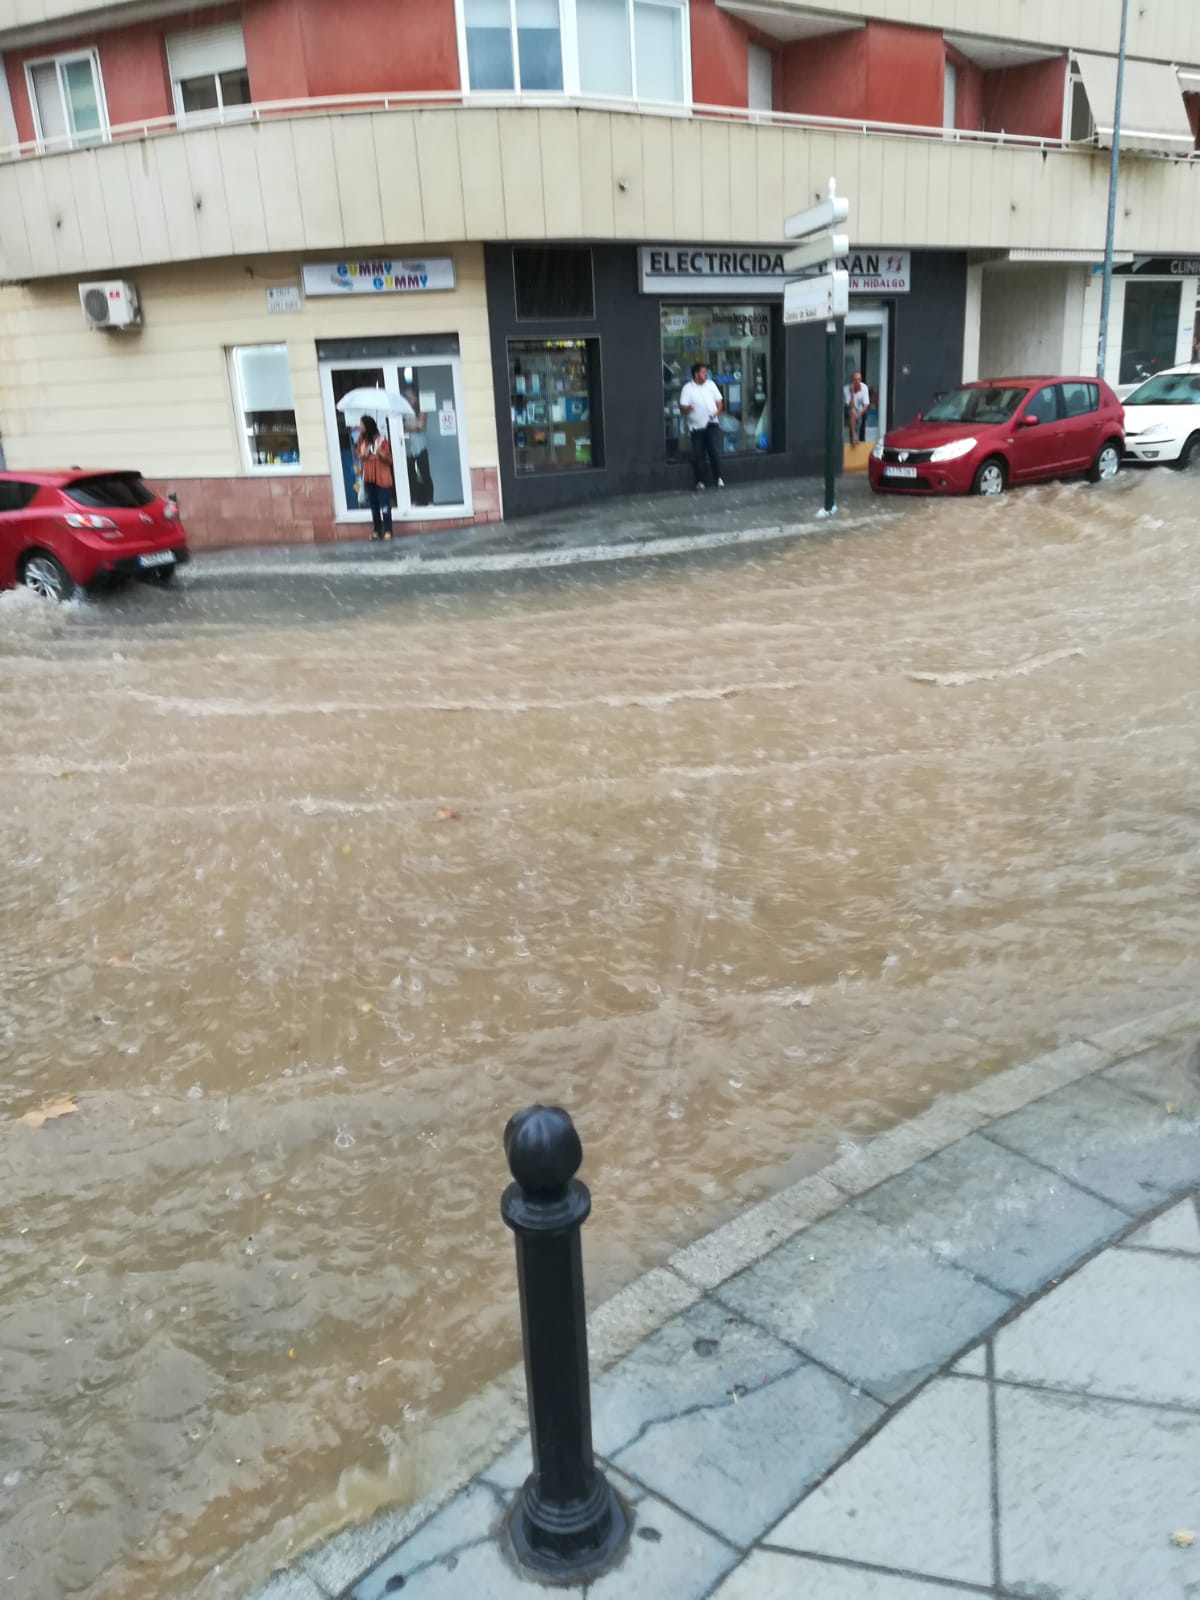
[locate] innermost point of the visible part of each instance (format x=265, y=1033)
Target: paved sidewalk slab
x=1177, y=1229
x=771, y=1576
x=866, y=1302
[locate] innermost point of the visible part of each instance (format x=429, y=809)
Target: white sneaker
x=720, y=483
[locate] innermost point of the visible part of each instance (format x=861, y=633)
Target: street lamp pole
x=1113, y=172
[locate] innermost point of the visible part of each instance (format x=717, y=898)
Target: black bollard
x=566, y=1524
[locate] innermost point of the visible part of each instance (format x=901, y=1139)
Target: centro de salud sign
x=377, y=275
x=759, y=269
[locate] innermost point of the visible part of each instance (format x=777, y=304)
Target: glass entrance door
x=429, y=449
x=866, y=353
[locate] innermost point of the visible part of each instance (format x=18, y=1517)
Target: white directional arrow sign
x=816, y=299
x=824, y=215
x=817, y=252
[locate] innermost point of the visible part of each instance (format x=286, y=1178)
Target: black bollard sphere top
x=542, y=1148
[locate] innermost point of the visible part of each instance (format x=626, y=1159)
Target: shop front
x=592, y=344
x=1159, y=311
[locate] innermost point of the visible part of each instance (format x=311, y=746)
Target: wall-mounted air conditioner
x=110, y=306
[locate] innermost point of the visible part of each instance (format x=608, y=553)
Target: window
x=266, y=410
x=552, y=283
x=617, y=48
x=1079, y=398
x=734, y=342
x=123, y=489
x=208, y=72
x=1043, y=405
x=1081, y=127
x=760, y=76
x=551, y=385
x=67, y=99
x=1151, y=328
x=15, y=496
x=501, y=32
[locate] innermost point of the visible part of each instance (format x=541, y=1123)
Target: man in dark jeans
x=701, y=403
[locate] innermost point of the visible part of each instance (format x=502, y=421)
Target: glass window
x=125, y=489
x=15, y=496
x=982, y=403
x=489, y=44
x=1168, y=389
x=214, y=91
x=1151, y=329
x=1079, y=398
x=552, y=383
x=539, y=52
x=605, y=60
x=1043, y=405
x=263, y=385
x=552, y=283
x=734, y=342
x=67, y=101
x=658, y=32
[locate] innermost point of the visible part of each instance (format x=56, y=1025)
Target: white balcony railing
x=272, y=110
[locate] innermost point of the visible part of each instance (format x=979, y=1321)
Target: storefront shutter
x=205, y=52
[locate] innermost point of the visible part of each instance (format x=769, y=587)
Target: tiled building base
x=223, y=512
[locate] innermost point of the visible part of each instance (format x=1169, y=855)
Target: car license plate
x=899, y=472
x=157, y=558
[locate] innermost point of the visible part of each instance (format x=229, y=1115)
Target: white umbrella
x=376, y=400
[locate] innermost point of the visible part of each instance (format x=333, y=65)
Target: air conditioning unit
x=111, y=305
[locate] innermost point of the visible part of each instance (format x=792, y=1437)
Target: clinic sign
x=377, y=275
x=1163, y=267
x=759, y=269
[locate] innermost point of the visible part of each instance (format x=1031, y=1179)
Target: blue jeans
x=380, y=501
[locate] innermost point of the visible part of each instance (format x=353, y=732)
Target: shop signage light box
x=377, y=275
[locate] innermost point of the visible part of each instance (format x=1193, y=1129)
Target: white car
x=1162, y=418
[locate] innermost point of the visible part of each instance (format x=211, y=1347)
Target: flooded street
x=740, y=857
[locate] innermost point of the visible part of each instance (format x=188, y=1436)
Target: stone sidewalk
x=963, y=1360
x=653, y=525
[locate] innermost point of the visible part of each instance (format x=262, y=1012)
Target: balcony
x=303, y=177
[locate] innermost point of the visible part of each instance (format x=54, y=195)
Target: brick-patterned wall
x=219, y=512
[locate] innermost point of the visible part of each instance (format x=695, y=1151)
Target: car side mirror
x=1028, y=422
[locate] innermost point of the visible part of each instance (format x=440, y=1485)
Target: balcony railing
x=431, y=100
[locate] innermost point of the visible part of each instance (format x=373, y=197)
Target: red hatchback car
x=65, y=531
x=985, y=436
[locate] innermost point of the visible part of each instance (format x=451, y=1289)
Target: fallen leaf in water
x=292, y=1353
x=365, y=1007
x=1171, y=1108
x=125, y=959
x=1184, y=1538
x=345, y=849
x=62, y=1107
x=854, y=972
x=447, y=814
x=66, y=774
x=78, y=1264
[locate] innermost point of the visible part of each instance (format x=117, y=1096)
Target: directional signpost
x=823, y=296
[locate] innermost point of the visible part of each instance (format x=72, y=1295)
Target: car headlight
x=953, y=451
x=877, y=453
x=1156, y=430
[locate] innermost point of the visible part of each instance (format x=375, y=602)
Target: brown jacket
x=376, y=461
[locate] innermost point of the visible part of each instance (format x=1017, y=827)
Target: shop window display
x=266, y=409
x=734, y=342
x=1150, y=330
x=551, y=385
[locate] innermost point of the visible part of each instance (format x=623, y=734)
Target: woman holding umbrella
x=375, y=460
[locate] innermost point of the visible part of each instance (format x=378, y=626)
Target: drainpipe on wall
x=1113, y=173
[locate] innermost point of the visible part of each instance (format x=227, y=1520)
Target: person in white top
x=701, y=403
x=858, y=400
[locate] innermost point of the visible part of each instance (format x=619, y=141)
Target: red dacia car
x=985, y=436
x=65, y=531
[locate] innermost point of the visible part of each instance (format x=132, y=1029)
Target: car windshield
x=1168, y=389
x=110, y=489
x=976, y=405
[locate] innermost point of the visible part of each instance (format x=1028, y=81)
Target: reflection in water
x=754, y=855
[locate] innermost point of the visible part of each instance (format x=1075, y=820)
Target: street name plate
x=816, y=299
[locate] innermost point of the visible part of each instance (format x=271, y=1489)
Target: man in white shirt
x=701, y=403
x=858, y=400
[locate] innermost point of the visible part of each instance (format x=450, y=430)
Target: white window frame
x=72, y=140
x=568, y=33
x=220, y=112
x=258, y=469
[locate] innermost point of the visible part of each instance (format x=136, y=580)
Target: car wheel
x=991, y=479
x=1189, y=456
x=46, y=576
x=1107, y=463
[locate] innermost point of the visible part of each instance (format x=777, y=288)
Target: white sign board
x=286, y=298
x=816, y=299
x=448, y=419
x=377, y=275
x=681, y=271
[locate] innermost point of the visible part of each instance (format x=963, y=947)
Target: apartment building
x=533, y=215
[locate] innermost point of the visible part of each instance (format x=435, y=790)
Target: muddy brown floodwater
x=754, y=854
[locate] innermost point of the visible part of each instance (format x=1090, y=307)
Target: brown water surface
x=753, y=854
